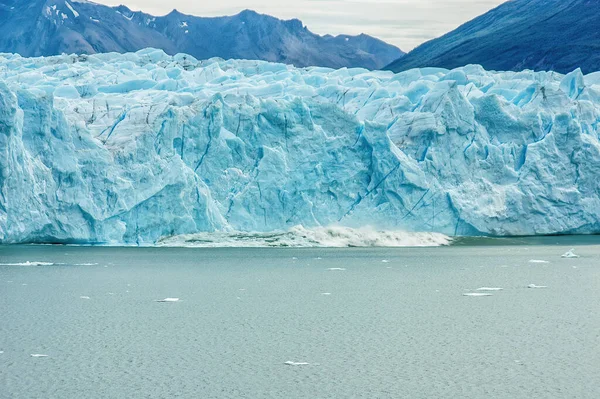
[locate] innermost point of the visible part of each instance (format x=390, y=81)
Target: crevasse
x=131, y=148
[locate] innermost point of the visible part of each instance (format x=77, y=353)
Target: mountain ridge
x=53, y=27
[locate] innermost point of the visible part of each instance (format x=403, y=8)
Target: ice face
x=130, y=148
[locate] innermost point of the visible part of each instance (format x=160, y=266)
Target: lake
x=302, y=323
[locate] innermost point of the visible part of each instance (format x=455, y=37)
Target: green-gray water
x=395, y=329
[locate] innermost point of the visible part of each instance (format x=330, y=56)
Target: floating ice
x=326, y=293
x=84, y=297
x=289, y=363
x=536, y=286
x=476, y=294
x=132, y=148
x=538, y=261
x=168, y=300
x=85, y=264
x=28, y=263
x=385, y=261
x=490, y=289
x=38, y=355
x=336, y=269
x=299, y=236
x=570, y=254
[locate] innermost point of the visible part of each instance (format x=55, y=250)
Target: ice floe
x=490, y=289
x=536, y=286
x=476, y=294
x=168, y=300
x=28, y=263
x=290, y=363
x=570, y=254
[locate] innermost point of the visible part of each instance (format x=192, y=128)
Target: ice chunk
x=38, y=355
x=336, y=269
x=538, y=261
x=290, y=363
x=570, y=254
x=490, y=289
x=536, y=286
x=84, y=297
x=476, y=294
x=168, y=300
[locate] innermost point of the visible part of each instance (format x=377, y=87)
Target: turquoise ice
x=130, y=148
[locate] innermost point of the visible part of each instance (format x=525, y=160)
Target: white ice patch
x=476, y=294
x=84, y=297
x=333, y=237
x=490, y=289
x=536, y=286
x=168, y=300
x=538, y=261
x=28, y=263
x=333, y=269
x=75, y=13
x=290, y=363
x=570, y=254
x=85, y=264
x=38, y=355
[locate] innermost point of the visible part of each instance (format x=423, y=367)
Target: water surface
x=395, y=325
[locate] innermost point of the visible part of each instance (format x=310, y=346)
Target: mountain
x=52, y=27
x=558, y=35
x=135, y=147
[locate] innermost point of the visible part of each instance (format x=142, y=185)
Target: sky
x=404, y=23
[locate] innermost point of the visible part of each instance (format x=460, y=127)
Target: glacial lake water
x=394, y=322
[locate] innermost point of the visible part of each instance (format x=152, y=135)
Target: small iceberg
x=536, y=286
x=84, y=297
x=38, y=355
x=168, y=300
x=489, y=289
x=385, y=261
x=570, y=254
x=289, y=363
x=476, y=294
x=333, y=269
x=538, y=261
x=326, y=293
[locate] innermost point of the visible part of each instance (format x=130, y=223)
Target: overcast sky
x=405, y=23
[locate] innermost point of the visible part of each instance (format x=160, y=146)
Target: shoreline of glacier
x=134, y=147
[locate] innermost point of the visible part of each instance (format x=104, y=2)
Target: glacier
x=132, y=148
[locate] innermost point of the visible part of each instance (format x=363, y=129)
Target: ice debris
x=290, y=363
x=570, y=254
x=28, y=263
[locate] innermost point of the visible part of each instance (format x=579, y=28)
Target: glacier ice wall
x=130, y=148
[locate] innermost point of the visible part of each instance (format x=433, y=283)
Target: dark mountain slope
x=559, y=35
